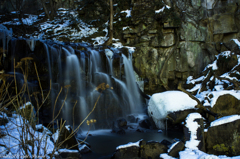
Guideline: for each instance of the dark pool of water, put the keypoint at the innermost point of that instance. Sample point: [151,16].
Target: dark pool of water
[104,143]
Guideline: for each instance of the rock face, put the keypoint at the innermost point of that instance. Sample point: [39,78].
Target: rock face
[224,139]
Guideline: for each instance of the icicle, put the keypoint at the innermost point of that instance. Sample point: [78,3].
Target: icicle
[31,43]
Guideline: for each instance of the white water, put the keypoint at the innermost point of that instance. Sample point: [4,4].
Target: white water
[132,85]
[31,43]
[69,68]
[73,78]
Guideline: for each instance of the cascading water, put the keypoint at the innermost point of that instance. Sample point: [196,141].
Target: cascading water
[109,55]
[72,77]
[132,85]
[78,73]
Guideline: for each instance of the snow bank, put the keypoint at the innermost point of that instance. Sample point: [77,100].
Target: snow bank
[161,104]
[224,120]
[18,130]
[192,127]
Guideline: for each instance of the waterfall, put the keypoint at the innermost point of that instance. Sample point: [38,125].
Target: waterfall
[83,70]
[72,77]
[132,85]
[48,59]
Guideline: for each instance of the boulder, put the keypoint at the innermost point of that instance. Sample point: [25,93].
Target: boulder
[176,148]
[119,126]
[152,149]
[144,150]
[226,104]
[161,104]
[146,123]
[224,139]
[127,153]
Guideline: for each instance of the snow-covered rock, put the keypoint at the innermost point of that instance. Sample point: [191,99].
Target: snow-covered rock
[161,104]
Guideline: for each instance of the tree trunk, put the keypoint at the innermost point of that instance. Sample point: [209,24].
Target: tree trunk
[110,31]
[45,8]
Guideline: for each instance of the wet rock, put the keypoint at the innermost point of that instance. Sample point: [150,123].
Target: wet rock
[224,139]
[122,123]
[174,152]
[70,143]
[145,124]
[132,119]
[139,130]
[119,126]
[166,142]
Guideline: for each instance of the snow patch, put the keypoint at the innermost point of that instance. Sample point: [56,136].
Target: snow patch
[224,120]
[236,41]
[130,144]
[192,127]
[165,156]
[67,150]
[128,12]
[162,9]
[216,95]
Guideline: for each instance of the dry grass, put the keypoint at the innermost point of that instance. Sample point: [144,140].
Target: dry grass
[16,99]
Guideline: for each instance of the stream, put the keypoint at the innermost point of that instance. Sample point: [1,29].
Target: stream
[103,143]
